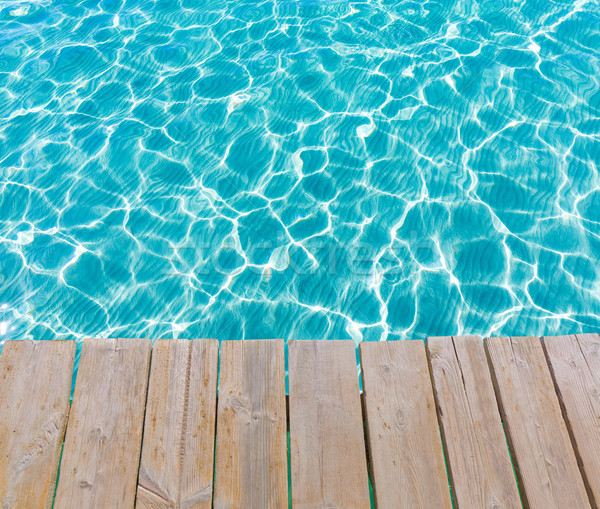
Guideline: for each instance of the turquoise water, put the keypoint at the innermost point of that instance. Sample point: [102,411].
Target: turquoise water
[299,169]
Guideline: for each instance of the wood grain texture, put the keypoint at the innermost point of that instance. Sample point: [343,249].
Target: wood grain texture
[176,469]
[542,450]
[101,453]
[251,459]
[575,366]
[405,446]
[35,386]
[328,457]
[478,457]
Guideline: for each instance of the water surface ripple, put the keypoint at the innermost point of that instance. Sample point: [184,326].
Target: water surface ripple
[299,168]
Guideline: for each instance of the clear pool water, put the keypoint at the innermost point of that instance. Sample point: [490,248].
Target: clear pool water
[299,168]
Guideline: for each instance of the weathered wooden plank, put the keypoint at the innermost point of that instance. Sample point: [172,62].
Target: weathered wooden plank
[251,459]
[544,457]
[176,469]
[35,386]
[405,446]
[575,365]
[102,446]
[328,458]
[478,457]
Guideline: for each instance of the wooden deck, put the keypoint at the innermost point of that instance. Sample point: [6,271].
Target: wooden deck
[503,422]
